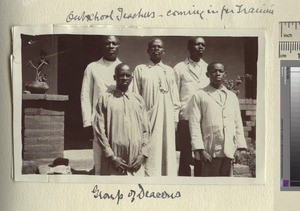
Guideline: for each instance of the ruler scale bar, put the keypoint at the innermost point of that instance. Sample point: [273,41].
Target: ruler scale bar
[289,50]
[289,30]
[295,44]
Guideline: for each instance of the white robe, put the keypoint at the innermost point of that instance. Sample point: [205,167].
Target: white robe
[156,84]
[190,76]
[97,79]
[121,127]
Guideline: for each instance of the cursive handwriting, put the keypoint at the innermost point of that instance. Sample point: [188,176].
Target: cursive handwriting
[139,193]
[89,17]
[242,9]
[121,13]
[118,14]
[189,12]
[255,10]
[103,195]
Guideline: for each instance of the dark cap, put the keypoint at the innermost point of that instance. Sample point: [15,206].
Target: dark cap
[60,161]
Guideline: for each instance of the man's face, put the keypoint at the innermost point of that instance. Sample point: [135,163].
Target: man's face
[123,77]
[197,47]
[156,50]
[110,48]
[216,74]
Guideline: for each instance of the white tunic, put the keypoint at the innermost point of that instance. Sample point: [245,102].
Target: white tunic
[97,79]
[156,84]
[121,127]
[190,76]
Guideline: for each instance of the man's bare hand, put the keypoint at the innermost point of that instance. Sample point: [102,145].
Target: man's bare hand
[203,155]
[137,162]
[119,164]
[238,155]
[206,157]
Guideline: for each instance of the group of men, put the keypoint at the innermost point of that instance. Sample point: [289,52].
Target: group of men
[134,127]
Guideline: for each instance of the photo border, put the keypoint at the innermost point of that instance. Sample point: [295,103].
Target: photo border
[16,63]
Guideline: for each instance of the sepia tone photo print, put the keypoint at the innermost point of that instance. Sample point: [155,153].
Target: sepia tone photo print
[181,106]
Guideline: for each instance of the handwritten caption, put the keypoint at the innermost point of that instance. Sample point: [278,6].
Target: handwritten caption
[133,194]
[120,13]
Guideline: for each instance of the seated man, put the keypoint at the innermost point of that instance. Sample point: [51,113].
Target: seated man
[122,128]
[216,125]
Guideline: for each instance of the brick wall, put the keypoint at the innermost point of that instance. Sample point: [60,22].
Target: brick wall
[43,126]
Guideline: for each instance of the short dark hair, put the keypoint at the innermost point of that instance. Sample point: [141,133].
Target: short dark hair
[106,36]
[212,64]
[152,40]
[119,66]
[192,40]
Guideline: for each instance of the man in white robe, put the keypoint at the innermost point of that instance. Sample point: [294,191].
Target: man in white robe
[216,125]
[97,79]
[190,76]
[155,82]
[122,128]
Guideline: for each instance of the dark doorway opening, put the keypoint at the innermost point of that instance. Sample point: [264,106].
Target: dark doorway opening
[79,51]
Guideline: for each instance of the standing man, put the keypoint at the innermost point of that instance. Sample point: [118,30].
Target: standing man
[190,76]
[97,79]
[155,82]
[216,125]
[121,127]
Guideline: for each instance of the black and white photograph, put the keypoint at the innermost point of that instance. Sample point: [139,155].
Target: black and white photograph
[165,106]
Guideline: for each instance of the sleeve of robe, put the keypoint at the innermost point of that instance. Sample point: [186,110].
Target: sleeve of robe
[240,138]
[177,73]
[145,126]
[99,127]
[194,122]
[175,97]
[136,84]
[87,97]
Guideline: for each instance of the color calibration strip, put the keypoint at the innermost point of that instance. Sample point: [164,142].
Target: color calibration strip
[290,125]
